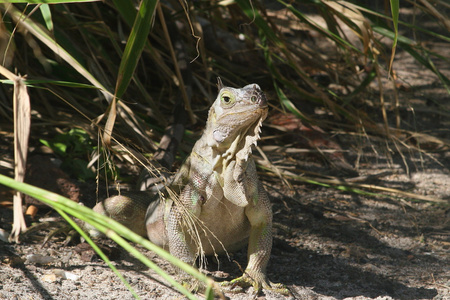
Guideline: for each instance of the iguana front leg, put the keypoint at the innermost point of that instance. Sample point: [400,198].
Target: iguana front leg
[180,226]
[259,247]
[177,238]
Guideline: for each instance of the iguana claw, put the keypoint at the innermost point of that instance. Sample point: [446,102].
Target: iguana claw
[259,282]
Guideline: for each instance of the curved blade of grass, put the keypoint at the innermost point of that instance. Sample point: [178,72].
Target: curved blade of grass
[352,17]
[408,45]
[406,24]
[110,232]
[288,104]
[43,35]
[110,228]
[131,55]
[358,188]
[47,15]
[35,83]
[320,29]
[96,249]
[109,126]
[135,45]
[369,78]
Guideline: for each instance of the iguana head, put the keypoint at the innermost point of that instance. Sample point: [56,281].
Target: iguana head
[235,120]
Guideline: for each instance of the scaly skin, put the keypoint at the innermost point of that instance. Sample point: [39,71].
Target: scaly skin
[216,202]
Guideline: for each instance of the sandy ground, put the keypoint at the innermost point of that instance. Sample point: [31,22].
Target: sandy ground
[328,245]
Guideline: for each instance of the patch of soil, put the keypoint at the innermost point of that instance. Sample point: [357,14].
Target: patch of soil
[328,244]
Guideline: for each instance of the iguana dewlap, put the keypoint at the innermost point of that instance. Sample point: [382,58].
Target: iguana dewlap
[216,202]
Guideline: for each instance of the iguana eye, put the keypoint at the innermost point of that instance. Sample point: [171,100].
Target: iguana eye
[227,98]
[253,99]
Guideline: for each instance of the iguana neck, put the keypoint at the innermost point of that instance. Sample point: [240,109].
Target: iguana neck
[239,149]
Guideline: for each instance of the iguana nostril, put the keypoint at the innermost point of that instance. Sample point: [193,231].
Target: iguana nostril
[261,99]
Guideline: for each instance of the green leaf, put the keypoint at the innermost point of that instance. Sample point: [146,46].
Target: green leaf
[44,36]
[47,15]
[369,78]
[135,45]
[288,104]
[408,45]
[324,31]
[58,148]
[36,82]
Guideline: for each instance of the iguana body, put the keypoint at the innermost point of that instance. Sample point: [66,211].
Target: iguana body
[216,202]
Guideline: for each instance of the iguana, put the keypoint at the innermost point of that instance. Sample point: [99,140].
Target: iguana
[216,202]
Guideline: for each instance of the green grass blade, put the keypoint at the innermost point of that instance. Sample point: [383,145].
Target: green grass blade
[47,15]
[110,228]
[44,36]
[96,249]
[135,45]
[288,104]
[37,82]
[373,15]
[408,45]
[360,88]
[302,17]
